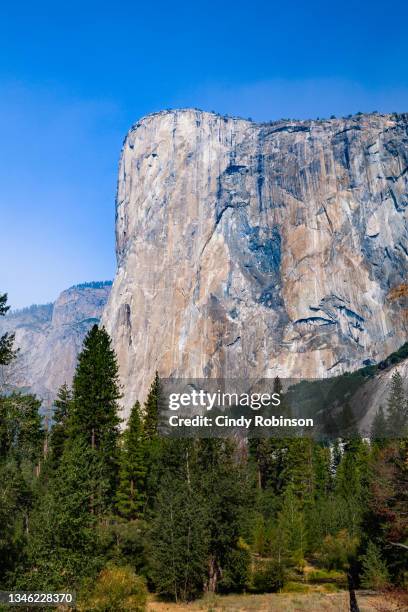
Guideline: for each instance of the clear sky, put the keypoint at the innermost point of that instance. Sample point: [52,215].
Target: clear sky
[75,75]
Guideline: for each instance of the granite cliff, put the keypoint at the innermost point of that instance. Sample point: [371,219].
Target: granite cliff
[254,250]
[49,338]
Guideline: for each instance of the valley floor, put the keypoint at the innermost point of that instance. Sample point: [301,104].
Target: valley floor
[284,602]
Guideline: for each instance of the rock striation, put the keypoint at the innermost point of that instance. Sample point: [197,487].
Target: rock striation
[255,250]
[50,337]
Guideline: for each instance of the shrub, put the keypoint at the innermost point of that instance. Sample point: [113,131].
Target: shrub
[236,573]
[374,573]
[295,587]
[270,578]
[124,543]
[117,588]
[322,575]
[338,550]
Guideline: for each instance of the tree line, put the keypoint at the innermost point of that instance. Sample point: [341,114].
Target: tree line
[111,513]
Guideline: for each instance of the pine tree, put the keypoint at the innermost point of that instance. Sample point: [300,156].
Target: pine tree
[151,410]
[397,417]
[21,433]
[299,468]
[387,519]
[291,526]
[153,444]
[94,408]
[223,486]
[179,540]
[59,431]
[374,573]
[63,543]
[131,493]
[7,353]
[351,482]
[378,432]
[16,499]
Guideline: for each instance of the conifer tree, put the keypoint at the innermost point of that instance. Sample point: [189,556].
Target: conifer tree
[7,353]
[223,488]
[397,417]
[299,468]
[374,573]
[63,542]
[351,483]
[153,445]
[291,526]
[131,493]
[387,521]
[378,432]
[21,433]
[59,433]
[179,540]
[151,410]
[93,412]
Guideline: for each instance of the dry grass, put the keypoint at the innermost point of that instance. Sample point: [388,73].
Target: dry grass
[273,602]
[392,601]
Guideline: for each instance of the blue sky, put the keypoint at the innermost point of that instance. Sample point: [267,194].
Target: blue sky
[74,77]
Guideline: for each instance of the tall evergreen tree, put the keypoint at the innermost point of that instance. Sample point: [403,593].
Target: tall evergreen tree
[21,433]
[379,428]
[179,535]
[131,493]
[374,573]
[151,409]
[387,522]
[153,444]
[292,528]
[63,543]
[351,483]
[59,431]
[223,488]
[94,409]
[397,416]
[21,438]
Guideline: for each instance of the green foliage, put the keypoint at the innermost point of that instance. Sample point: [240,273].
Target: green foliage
[21,433]
[179,541]
[292,529]
[378,432]
[374,573]
[94,407]
[151,410]
[386,515]
[269,578]
[93,285]
[123,541]
[59,431]
[397,413]
[351,482]
[180,512]
[323,575]
[236,574]
[338,551]
[16,499]
[63,544]
[116,588]
[223,486]
[7,353]
[131,492]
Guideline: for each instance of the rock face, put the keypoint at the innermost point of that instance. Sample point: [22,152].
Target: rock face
[50,337]
[254,250]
